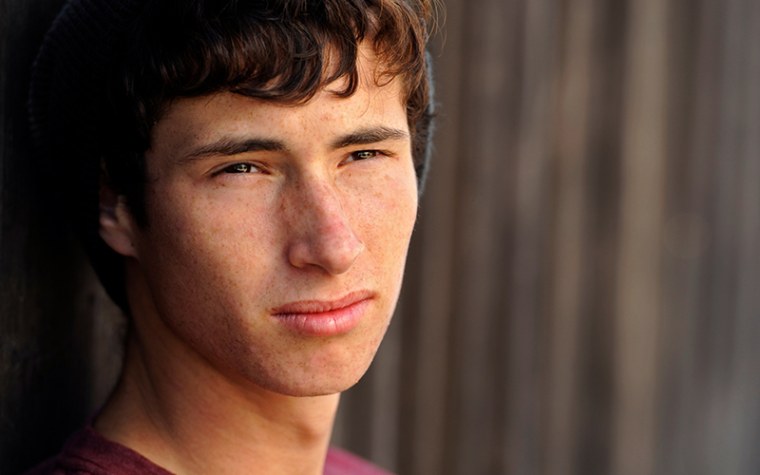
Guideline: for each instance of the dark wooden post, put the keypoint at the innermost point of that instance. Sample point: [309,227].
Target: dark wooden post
[47,294]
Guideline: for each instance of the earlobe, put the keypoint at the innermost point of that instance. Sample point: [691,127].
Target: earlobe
[116,224]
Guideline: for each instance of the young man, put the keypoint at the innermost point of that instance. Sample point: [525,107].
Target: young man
[247,175]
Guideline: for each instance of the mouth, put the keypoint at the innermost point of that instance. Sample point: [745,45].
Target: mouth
[324,317]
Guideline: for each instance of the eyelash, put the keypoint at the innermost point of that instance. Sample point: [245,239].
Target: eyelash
[240,168]
[360,155]
[245,167]
[364,154]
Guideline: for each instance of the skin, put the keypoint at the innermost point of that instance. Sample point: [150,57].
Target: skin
[253,206]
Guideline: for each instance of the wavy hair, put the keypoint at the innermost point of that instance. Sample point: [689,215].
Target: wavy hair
[284,51]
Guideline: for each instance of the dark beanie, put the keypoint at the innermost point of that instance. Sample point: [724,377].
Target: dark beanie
[70,70]
[68,93]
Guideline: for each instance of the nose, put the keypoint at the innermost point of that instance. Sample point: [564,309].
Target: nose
[321,232]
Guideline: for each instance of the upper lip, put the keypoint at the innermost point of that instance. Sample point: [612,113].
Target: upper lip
[321,306]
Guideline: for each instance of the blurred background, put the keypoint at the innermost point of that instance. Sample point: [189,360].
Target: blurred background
[583,289]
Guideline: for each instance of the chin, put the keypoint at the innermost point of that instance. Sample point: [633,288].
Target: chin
[314,388]
[320,380]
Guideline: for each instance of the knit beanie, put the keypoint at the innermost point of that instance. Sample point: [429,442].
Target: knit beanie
[67,95]
[67,91]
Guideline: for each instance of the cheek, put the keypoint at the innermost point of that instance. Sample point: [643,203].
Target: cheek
[193,237]
[217,217]
[388,212]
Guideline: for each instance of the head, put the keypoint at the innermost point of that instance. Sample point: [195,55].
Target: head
[235,168]
[108,72]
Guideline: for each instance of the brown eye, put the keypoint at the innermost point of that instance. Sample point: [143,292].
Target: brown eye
[240,168]
[364,154]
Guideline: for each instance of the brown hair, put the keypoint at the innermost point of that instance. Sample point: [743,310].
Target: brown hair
[276,51]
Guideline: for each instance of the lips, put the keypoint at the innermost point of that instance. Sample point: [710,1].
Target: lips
[324,317]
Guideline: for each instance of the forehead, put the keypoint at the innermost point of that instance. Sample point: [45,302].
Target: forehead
[191,122]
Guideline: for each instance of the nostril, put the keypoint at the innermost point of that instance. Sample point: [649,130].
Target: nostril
[322,233]
[346,253]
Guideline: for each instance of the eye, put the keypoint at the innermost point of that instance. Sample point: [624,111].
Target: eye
[363,155]
[240,168]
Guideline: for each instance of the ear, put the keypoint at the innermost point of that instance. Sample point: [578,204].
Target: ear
[117,227]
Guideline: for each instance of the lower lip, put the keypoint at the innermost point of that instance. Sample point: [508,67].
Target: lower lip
[330,323]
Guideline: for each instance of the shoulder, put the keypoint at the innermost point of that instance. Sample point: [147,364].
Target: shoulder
[88,453]
[340,462]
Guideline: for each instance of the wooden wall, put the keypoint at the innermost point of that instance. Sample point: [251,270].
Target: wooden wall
[38,324]
[582,290]
[583,295]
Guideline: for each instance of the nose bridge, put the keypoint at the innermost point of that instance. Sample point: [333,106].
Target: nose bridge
[322,234]
[322,202]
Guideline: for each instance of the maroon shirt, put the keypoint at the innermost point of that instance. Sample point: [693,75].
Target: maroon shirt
[89,453]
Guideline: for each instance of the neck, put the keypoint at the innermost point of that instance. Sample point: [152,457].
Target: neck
[190,419]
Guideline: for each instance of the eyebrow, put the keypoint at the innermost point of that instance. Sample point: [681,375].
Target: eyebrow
[370,135]
[233,146]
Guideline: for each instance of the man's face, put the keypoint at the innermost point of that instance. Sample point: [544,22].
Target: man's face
[277,235]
